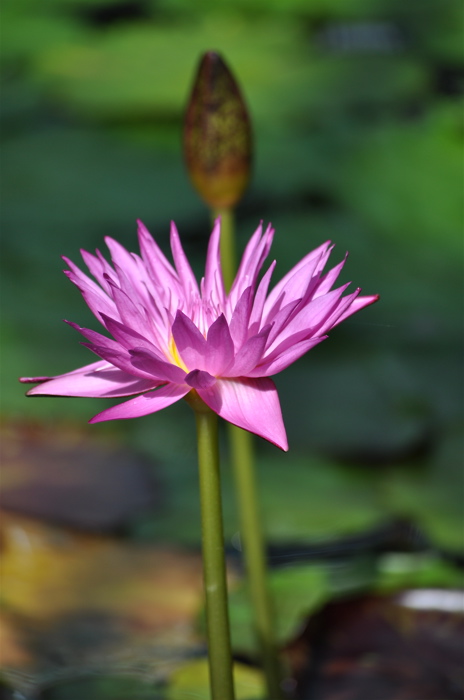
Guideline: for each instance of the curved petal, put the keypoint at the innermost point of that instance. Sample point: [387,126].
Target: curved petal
[300,284]
[184,270]
[251,404]
[240,320]
[127,337]
[118,358]
[94,365]
[101,364]
[198,379]
[248,254]
[357,305]
[144,404]
[281,287]
[326,282]
[134,284]
[311,317]
[289,351]
[260,298]
[150,364]
[130,313]
[252,260]
[156,262]
[95,297]
[250,354]
[219,347]
[98,380]
[190,343]
[99,268]
[282,318]
[127,269]
[95,337]
[213,286]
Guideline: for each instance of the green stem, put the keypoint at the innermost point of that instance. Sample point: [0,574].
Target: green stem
[228,251]
[214,567]
[254,554]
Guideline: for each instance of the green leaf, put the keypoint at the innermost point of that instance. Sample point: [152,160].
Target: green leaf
[192,680]
[295,591]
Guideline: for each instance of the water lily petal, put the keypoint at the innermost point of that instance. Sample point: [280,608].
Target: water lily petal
[190,343]
[219,347]
[240,321]
[98,380]
[284,355]
[127,269]
[99,268]
[184,270]
[199,379]
[131,314]
[118,357]
[310,318]
[357,305]
[96,338]
[252,260]
[326,282]
[149,363]
[152,255]
[96,299]
[144,404]
[213,286]
[260,298]
[250,355]
[280,289]
[251,404]
[127,337]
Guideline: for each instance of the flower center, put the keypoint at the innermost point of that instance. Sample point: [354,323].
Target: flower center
[175,355]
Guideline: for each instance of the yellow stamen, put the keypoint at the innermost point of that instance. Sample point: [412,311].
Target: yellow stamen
[175,355]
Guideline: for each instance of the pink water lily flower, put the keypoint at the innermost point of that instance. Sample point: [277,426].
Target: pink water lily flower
[171,336]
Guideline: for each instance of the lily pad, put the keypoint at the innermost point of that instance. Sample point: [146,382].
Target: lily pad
[295,591]
[193,680]
[102,688]
[434,497]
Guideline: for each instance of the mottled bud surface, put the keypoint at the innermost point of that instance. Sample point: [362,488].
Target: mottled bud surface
[217,135]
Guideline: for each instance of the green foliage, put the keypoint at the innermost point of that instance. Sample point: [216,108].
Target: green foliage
[296,592]
[361,147]
[102,688]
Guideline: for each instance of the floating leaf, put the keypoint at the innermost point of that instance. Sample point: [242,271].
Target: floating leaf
[295,591]
[192,680]
[102,688]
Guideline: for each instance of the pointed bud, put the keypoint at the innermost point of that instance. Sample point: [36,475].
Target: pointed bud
[217,135]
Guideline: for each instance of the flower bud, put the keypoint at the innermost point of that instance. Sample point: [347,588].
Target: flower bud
[217,135]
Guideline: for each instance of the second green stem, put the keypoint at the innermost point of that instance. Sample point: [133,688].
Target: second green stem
[250,524]
[255,556]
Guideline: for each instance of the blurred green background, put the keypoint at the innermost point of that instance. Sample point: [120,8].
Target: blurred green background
[357,115]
